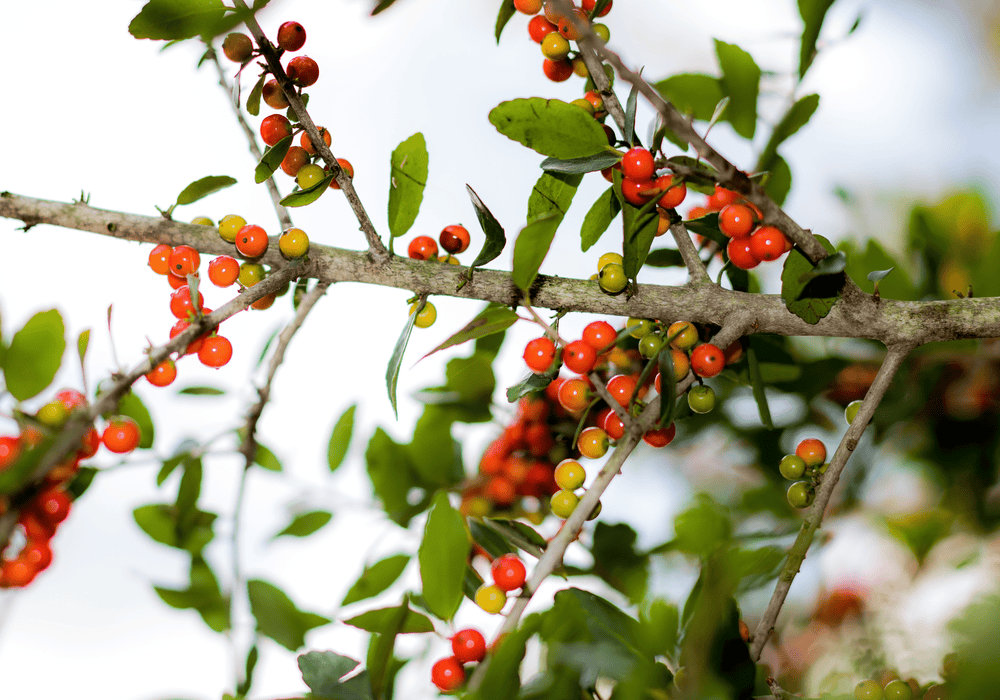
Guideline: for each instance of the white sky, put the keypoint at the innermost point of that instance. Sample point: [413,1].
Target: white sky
[907,106]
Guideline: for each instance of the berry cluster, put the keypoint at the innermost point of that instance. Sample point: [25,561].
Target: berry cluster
[554,32]
[454,239]
[301,162]
[893,690]
[41,509]
[804,469]
[749,243]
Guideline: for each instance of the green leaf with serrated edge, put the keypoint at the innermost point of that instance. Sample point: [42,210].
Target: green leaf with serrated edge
[376,578]
[552,195]
[253,99]
[81,482]
[204,187]
[639,231]
[630,105]
[779,181]
[322,671]
[264,457]
[132,406]
[812,12]
[408,177]
[305,524]
[797,266]
[757,384]
[201,391]
[378,620]
[340,438]
[665,257]
[587,164]
[304,197]
[708,226]
[271,160]
[530,249]
[797,116]
[692,94]
[82,342]
[741,83]
[668,384]
[496,239]
[396,361]
[34,355]
[507,10]
[490,540]
[443,552]
[525,531]
[598,218]
[277,617]
[176,19]
[493,319]
[550,127]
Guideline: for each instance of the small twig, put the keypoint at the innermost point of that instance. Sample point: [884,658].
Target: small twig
[696,268]
[893,361]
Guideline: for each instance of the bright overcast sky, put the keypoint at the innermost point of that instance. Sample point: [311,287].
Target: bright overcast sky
[907,109]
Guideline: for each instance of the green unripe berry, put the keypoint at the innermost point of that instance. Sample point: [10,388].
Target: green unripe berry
[852,410]
[251,274]
[639,327]
[868,690]
[801,494]
[612,278]
[701,398]
[309,176]
[53,413]
[596,511]
[792,467]
[563,503]
[608,258]
[649,346]
[897,690]
[555,46]
[602,31]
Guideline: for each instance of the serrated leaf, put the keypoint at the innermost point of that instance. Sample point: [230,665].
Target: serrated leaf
[322,671]
[408,177]
[204,187]
[340,438]
[587,164]
[443,552]
[253,99]
[757,385]
[308,196]
[277,617]
[263,457]
[598,218]
[628,135]
[796,275]
[176,19]
[305,524]
[550,127]
[378,620]
[34,355]
[812,12]
[396,361]
[376,578]
[741,82]
[507,10]
[271,160]
[692,93]
[530,249]
[879,275]
[201,391]
[493,319]
[496,239]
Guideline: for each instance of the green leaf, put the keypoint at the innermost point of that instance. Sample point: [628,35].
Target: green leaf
[82,342]
[308,196]
[665,257]
[587,164]
[660,624]
[550,127]
[201,391]
[630,105]
[132,406]
[507,10]
[703,177]
[741,82]
[379,620]
[392,370]
[493,319]
[502,680]
[489,539]
[322,671]
[617,562]
[81,482]
[340,438]
[879,275]
[757,384]
[271,160]
[496,239]
[435,455]
[812,12]
[392,477]
[253,99]
[204,187]
[796,275]
[598,218]
[692,93]
[160,522]
[552,195]
[795,118]
[408,177]
[443,553]
[639,231]
[526,532]
[176,19]
[668,385]
[382,665]
[34,355]
[530,249]
[830,265]
[376,578]
[779,181]
[702,528]
[251,664]
[533,382]
[203,595]
[382,5]
[188,493]
[277,617]
[305,524]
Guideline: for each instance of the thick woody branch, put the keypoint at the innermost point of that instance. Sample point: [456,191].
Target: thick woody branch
[887,321]
[814,518]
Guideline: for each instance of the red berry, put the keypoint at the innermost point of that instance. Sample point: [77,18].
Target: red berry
[303,71]
[455,238]
[346,166]
[223,271]
[508,572]
[163,374]
[740,254]
[182,326]
[812,451]
[273,96]
[53,505]
[672,196]
[291,36]
[294,160]
[609,421]
[121,435]
[720,198]
[736,220]
[638,164]
[35,526]
[768,243]
[307,143]
[539,28]
[447,674]
[17,573]
[638,192]
[422,248]
[274,128]
[599,334]
[469,646]
[539,354]
[37,553]
[528,7]
[567,27]
[501,490]
[621,387]
[184,261]
[707,360]
[159,259]
[180,302]
[237,47]
[574,395]
[589,5]
[579,356]
[660,437]
[215,351]
[557,71]
[251,241]
[71,398]
[89,443]
[10,450]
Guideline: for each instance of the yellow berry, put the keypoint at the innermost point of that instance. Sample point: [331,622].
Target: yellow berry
[251,274]
[491,598]
[202,221]
[230,225]
[427,316]
[563,503]
[570,474]
[293,243]
[608,258]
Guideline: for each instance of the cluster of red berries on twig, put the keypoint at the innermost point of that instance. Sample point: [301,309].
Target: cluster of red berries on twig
[454,239]
[555,33]
[749,243]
